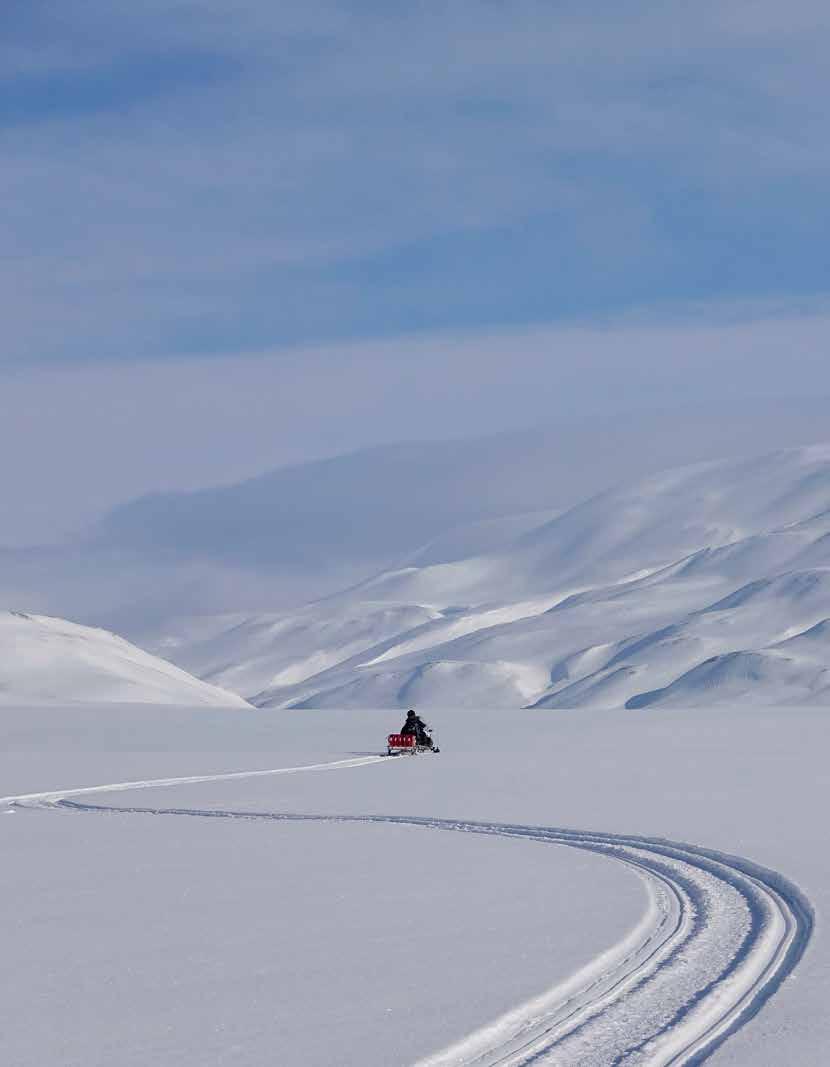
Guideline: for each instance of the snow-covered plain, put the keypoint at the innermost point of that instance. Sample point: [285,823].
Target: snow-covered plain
[701,585]
[47,660]
[195,935]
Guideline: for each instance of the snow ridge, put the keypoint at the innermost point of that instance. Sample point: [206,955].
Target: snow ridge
[701,585]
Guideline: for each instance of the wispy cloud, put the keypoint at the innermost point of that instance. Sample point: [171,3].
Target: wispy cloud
[195,176]
[79,438]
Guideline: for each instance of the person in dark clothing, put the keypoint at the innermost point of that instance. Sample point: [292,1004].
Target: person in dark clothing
[416,725]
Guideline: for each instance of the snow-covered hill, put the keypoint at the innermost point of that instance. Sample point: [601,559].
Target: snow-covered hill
[698,585]
[248,654]
[279,540]
[47,660]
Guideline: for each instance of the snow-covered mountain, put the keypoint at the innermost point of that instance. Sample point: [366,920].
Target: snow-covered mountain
[279,540]
[697,585]
[45,660]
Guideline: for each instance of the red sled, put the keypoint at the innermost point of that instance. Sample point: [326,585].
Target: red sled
[399,743]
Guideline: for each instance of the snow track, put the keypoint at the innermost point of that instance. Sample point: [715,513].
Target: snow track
[40,799]
[720,936]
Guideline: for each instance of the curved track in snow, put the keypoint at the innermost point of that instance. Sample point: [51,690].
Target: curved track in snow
[720,936]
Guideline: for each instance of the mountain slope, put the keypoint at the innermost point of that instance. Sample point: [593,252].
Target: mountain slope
[281,539]
[249,654]
[627,598]
[47,660]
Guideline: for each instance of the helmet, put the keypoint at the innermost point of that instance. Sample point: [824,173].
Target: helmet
[410,714]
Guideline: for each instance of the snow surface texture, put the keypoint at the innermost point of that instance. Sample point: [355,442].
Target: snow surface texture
[680,977]
[702,585]
[46,660]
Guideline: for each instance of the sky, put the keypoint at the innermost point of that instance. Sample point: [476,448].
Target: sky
[242,235]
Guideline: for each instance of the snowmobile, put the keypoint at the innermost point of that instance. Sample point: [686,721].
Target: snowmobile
[410,744]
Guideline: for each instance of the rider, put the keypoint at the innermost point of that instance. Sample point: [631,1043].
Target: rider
[416,725]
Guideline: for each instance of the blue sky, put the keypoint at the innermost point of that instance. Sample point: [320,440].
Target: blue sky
[197,177]
[187,182]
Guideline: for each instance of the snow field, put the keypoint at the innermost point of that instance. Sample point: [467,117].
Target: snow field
[695,775]
[137,938]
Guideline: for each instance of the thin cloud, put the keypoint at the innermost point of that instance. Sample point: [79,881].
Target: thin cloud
[79,438]
[199,176]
